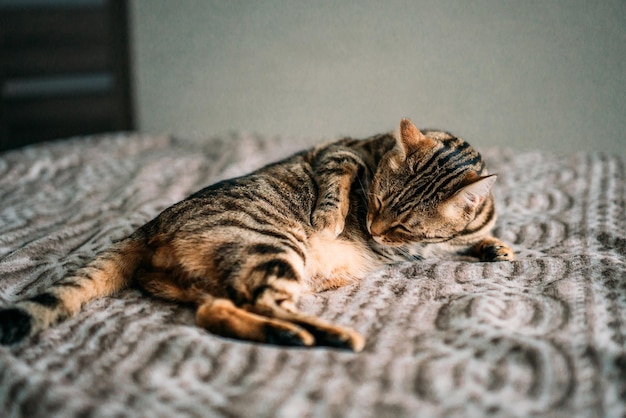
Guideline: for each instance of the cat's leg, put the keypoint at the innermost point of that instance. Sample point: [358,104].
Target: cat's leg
[222,317]
[271,289]
[274,302]
[335,171]
[492,249]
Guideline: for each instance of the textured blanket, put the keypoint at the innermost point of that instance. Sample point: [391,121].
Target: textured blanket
[543,336]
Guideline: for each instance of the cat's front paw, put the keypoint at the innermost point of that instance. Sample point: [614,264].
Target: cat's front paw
[492,249]
[328,223]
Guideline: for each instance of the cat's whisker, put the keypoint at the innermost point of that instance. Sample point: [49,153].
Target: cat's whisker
[365,193]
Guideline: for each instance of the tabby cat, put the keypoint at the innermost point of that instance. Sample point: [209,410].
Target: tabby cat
[243,250]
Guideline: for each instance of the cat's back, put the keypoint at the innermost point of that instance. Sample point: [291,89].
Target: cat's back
[279,193]
[251,220]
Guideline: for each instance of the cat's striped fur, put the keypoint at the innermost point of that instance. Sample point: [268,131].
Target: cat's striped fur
[243,250]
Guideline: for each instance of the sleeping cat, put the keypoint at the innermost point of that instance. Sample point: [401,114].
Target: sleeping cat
[243,250]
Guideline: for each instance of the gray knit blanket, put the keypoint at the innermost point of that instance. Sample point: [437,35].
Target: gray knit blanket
[543,336]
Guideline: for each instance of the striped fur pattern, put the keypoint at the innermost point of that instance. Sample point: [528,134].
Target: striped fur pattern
[243,250]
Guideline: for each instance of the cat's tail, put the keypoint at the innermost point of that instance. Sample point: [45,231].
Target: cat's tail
[109,272]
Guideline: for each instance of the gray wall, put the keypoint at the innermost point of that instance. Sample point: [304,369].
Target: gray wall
[546,74]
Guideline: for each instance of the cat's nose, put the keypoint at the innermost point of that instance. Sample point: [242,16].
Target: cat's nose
[376,228]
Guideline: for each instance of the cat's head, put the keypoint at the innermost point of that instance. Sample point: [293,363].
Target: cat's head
[427,189]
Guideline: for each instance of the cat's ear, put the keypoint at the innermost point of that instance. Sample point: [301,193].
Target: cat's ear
[410,139]
[472,195]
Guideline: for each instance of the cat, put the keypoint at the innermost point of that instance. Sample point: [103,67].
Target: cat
[243,250]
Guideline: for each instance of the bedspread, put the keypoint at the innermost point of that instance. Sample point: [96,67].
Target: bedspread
[542,336]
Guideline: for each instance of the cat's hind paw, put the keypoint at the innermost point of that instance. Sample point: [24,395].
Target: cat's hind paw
[346,339]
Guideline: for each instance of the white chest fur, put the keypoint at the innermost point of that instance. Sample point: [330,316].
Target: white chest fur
[333,262]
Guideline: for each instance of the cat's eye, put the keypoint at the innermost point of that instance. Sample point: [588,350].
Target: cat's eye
[401,228]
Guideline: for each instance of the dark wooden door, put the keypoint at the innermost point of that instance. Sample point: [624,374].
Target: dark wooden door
[64,70]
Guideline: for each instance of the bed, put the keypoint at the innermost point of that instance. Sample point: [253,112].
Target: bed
[542,336]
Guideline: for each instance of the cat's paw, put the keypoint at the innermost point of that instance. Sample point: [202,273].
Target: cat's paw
[492,249]
[279,333]
[328,223]
[498,253]
[343,338]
